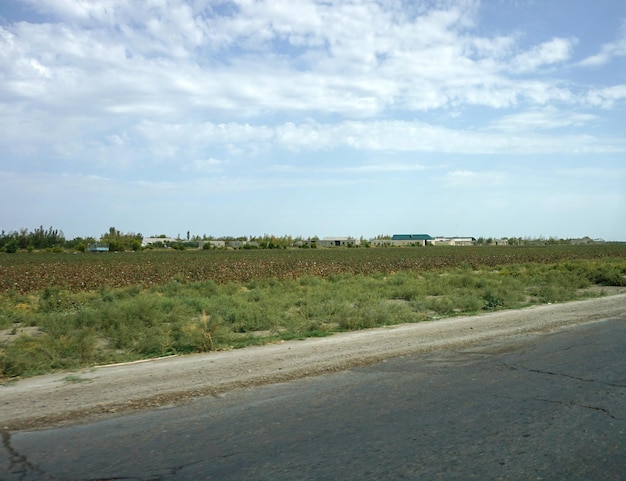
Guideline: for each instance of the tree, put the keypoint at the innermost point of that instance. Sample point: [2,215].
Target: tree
[118,241]
[42,239]
[12,246]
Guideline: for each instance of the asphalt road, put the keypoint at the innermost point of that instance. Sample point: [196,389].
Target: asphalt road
[550,406]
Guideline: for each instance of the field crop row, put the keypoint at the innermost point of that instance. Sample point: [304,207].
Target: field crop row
[24,272]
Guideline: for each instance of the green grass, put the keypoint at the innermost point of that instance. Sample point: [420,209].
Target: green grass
[83,328]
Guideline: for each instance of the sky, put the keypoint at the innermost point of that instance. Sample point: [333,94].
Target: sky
[492,118]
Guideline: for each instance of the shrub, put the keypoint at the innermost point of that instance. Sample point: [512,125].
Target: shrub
[12,246]
[29,356]
[609,275]
[492,301]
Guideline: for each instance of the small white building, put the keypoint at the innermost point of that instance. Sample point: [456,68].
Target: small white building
[155,240]
[454,241]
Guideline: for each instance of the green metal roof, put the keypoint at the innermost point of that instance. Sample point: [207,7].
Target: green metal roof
[411,237]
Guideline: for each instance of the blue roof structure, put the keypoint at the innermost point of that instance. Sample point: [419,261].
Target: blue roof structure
[411,237]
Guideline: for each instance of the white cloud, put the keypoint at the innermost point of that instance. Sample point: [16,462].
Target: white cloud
[376,136]
[607,53]
[166,59]
[606,97]
[554,51]
[541,119]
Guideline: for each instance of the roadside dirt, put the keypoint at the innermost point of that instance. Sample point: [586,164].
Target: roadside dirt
[105,391]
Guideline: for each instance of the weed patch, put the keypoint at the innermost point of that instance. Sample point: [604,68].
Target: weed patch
[75,329]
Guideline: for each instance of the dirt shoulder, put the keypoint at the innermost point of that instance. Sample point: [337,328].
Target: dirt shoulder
[99,392]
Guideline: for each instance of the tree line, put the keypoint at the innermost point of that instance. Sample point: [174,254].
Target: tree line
[38,238]
[52,239]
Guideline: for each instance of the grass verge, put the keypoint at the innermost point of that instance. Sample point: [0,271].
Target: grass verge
[56,329]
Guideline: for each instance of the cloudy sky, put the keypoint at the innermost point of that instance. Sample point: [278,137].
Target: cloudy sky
[314,117]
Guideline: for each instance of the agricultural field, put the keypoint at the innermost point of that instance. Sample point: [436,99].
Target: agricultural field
[63,311]
[32,272]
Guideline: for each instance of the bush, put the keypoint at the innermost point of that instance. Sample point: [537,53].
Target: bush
[29,356]
[609,275]
[12,247]
[492,301]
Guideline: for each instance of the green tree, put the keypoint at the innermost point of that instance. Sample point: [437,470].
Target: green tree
[43,239]
[12,246]
[118,241]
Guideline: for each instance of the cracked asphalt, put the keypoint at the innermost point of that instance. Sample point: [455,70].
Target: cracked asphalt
[546,406]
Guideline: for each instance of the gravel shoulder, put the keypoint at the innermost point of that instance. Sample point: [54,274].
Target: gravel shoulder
[104,391]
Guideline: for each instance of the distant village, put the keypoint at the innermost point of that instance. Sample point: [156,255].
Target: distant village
[396,240]
[117,241]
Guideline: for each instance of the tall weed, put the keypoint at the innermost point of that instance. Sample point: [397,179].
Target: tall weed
[84,328]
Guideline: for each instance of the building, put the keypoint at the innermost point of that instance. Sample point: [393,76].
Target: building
[411,239]
[338,242]
[98,247]
[215,244]
[306,243]
[454,241]
[165,241]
